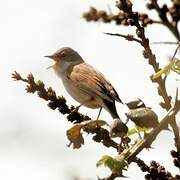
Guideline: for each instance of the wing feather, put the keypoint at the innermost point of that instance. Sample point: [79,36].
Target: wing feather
[93,82]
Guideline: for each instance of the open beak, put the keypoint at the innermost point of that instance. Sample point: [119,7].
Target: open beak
[51,57]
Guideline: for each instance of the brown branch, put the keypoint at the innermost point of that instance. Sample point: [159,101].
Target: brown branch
[130,155]
[100,134]
[157,22]
[123,5]
[120,19]
[176,50]
[147,141]
[162,12]
[165,42]
[133,20]
[128,37]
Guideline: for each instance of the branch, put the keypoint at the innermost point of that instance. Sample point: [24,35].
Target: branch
[126,7]
[165,42]
[147,141]
[127,37]
[100,134]
[120,19]
[130,154]
[176,50]
[162,12]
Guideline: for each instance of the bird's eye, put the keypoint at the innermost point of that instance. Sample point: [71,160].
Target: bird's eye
[63,54]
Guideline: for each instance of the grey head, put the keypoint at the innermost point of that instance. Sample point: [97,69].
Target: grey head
[135,103]
[66,54]
[65,59]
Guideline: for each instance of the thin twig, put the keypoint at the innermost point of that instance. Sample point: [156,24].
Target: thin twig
[127,37]
[175,52]
[165,42]
[165,20]
[157,22]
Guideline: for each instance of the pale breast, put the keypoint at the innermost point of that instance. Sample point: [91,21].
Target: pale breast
[81,96]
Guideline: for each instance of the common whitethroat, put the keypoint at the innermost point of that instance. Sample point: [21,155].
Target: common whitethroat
[86,84]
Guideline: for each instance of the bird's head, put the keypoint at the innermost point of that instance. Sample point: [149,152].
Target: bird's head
[135,103]
[65,58]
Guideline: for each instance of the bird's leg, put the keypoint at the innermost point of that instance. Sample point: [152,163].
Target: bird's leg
[127,120]
[138,132]
[99,113]
[119,148]
[77,108]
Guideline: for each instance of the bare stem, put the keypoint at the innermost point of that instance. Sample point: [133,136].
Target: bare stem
[127,37]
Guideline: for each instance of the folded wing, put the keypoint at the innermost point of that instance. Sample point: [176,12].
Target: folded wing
[92,81]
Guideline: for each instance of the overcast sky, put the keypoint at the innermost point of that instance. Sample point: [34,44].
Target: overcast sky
[32,136]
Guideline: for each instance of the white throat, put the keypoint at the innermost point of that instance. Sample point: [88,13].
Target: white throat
[62,68]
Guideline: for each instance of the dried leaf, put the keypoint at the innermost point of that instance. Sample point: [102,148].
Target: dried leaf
[88,127]
[75,136]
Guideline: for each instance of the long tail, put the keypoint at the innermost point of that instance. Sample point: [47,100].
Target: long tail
[111,108]
[117,127]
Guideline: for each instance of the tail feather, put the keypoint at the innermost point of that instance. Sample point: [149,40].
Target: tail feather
[111,108]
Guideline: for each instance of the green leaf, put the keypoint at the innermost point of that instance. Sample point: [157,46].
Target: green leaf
[142,129]
[176,66]
[166,70]
[105,161]
[132,131]
[137,129]
[116,166]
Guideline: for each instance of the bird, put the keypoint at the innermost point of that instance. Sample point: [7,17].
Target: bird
[141,115]
[135,103]
[116,129]
[86,84]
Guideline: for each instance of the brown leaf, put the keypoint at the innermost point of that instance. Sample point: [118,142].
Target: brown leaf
[75,136]
[92,125]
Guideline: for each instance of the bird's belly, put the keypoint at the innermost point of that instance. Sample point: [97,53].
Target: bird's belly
[84,98]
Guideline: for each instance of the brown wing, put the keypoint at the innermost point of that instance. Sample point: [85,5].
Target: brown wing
[93,82]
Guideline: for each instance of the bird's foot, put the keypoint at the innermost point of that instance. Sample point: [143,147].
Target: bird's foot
[76,109]
[99,113]
[148,146]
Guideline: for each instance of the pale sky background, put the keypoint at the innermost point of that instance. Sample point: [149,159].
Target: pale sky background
[32,136]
